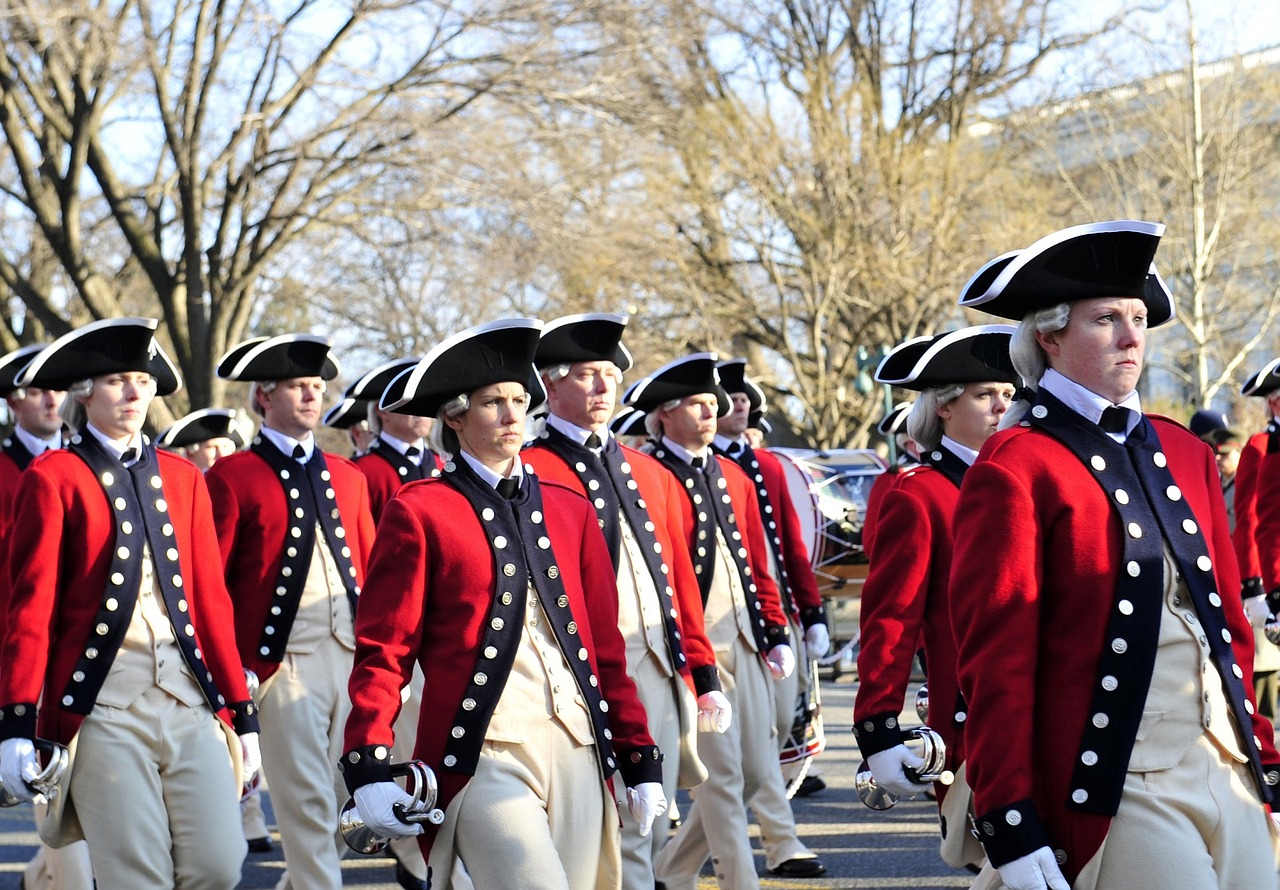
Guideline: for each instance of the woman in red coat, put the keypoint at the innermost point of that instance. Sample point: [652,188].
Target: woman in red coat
[502,589]
[1104,652]
[966,382]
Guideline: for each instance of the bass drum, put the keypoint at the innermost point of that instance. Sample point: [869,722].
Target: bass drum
[828,523]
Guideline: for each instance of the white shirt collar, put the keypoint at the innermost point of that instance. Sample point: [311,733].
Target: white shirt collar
[287,443]
[115,447]
[34,444]
[575,432]
[964,452]
[489,476]
[724,443]
[1089,404]
[402,446]
[684,453]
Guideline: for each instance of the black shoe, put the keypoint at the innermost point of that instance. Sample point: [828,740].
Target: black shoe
[799,868]
[810,785]
[260,845]
[406,879]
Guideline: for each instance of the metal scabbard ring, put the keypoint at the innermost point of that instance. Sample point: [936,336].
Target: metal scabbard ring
[934,753]
[46,783]
[420,783]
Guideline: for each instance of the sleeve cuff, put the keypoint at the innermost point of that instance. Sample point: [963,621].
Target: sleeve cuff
[776,635]
[877,733]
[811,615]
[641,765]
[1011,832]
[1271,781]
[706,679]
[18,721]
[244,716]
[365,765]
[1251,587]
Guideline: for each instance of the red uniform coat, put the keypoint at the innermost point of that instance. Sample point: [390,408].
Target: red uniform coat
[383,479]
[875,496]
[905,598]
[1247,480]
[427,599]
[807,602]
[252,518]
[10,476]
[660,492]
[1038,547]
[58,565]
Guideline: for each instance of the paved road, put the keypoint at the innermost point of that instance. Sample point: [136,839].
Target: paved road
[862,849]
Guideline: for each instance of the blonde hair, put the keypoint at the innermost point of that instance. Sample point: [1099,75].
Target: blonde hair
[72,410]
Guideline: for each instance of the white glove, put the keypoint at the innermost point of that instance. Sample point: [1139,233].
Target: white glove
[646,803]
[374,801]
[1035,871]
[781,661]
[251,756]
[887,768]
[817,640]
[1255,607]
[18,765]
[714,712]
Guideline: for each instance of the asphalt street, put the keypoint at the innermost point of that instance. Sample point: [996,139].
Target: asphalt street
[892,850]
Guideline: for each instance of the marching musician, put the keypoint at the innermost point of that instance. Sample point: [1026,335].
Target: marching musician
[746,625]
[204,436]
[119,641]
[791,569]
[638,504]
[295,530]
[37,428]
[1264,384]
[398,453]
[966,382]
[499,586]
[1104,652]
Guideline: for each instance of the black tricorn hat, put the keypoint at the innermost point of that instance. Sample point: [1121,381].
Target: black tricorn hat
[495,352]
[894,419]
[589,337]
[628,422]
[109,346]
[201,426]
[968,355]
[279,358]
[689,375]
[1106,259]
[1264,382]
[373,384]
[346,414]
[14,364]
[733,377]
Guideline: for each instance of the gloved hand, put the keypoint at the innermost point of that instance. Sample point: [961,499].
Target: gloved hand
[251,756]
[646,803]
[714,712]
[374,801]
[1257,610]
[817,640]
[781,661]
[18,765]
[1035,871]
[887,768]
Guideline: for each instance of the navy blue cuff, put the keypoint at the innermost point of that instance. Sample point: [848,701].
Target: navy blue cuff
[811,615]
[18,721]
[244,716]
[706,679]
[776,635]
[1011,832]
[877,733]
[365,765]
[641,765]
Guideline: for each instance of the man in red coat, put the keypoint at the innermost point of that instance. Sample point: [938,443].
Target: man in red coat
[966,382]
[499,586]
[398,453]
[118,642]
[790,567]
[205,436]
[744,620]
[1104,652]
[637,503]
[295,530]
